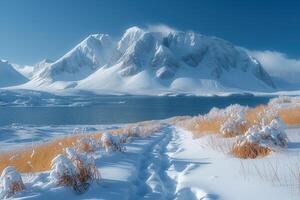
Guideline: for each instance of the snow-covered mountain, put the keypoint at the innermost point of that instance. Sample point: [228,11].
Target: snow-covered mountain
[81,61]
[180,61]
[9,76]
[30,71]
[143,61]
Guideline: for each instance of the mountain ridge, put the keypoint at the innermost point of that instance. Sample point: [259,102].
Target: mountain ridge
[9,76]
[147,60]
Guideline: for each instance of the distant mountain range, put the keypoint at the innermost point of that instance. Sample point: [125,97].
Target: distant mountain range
[145,62]
[9,75]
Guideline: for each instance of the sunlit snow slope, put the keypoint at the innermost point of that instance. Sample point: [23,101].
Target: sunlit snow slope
[143,61]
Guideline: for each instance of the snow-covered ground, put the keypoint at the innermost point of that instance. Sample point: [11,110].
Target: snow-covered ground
[16,135]
[171,164]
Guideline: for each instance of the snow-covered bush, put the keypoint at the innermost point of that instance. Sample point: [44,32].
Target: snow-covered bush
[87,144]
[75,170]
[284,102]
[217,120]
[139,131]
[149,128]
[260,140]
[234,125]
[248,149]
[228,111]
[270,135]
[10,182]
[134,131]
[275,134]
[112,142]
[143,129]
[63,171]
[266,116]
[124,137]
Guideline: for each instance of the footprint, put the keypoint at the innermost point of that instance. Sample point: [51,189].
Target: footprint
[202,195]
[179,150]
[189,167]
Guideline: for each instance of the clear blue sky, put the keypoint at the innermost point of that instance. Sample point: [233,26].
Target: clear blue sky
[31,30]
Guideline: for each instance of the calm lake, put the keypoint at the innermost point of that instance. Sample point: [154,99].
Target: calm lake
[115,109]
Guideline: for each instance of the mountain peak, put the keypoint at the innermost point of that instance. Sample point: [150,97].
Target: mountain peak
[130,36]
[177,60]
[9,76]
[99,36]
[133,30]
[3,61]
[93,52]
[94,40]
[46,60]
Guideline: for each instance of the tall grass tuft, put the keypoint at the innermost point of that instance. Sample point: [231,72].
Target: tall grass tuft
[75,170]
[249,150]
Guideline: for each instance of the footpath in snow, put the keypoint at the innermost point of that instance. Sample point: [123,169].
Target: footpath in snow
[169,164]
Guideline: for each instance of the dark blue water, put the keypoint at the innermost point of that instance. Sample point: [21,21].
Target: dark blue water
[119,109]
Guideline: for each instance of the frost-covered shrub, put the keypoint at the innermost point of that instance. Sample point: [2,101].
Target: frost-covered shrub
[147,129]
[75,170]
[112,142]
[10,182]
[249,150]
[266,116]
[284,102]
[228,111]
[217,120]
[133,131]
[63,171]
[275,134]
[124,137]
[87,144]
[234,125]
[259,141]
[143,129]
[270,135]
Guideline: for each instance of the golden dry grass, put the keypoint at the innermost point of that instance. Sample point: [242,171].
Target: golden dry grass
[242,128]
[200,126]
[39,157]
[210,125]
[249,150]
[207,125]
[290,116]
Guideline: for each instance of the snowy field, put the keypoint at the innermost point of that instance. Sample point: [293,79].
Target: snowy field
[170,164]
[152,112]
[166,161]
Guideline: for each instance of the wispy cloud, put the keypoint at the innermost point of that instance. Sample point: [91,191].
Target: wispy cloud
[160,28]
[278,64]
